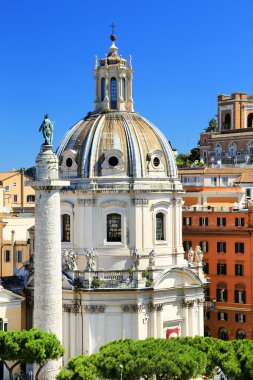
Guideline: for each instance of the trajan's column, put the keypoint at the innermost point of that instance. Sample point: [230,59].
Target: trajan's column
[47,259]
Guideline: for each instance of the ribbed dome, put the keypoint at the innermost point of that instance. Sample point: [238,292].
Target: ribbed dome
[121,144]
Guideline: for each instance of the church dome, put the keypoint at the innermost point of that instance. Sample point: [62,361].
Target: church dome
[116,144]
[114,140]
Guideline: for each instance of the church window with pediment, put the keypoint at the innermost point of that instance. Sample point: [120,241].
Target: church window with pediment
[160,226]
[113,93]
[114,227]
[65,227]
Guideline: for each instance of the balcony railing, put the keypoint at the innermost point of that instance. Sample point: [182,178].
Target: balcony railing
[121,279]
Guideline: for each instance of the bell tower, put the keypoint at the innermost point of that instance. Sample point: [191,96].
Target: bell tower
[113,81]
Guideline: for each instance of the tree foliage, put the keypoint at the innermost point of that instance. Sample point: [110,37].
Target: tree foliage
[212,126]
[172,359]
[33,346]
[30,172]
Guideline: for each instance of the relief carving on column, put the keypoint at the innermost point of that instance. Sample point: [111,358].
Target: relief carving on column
[87,202]
[139,202]
[71,308]
[94,309]
[187,303]
[131,308]
[155,306]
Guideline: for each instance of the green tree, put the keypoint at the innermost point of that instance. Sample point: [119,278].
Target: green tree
[182,160]
[194,155]
[33,346]
[80,368]
[30,172]
[212,126]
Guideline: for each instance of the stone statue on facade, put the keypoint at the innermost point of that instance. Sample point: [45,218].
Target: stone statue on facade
[190,255]
[152,256]
[136,258]
[199,254]
[47,129]
[91,263]
[69,260]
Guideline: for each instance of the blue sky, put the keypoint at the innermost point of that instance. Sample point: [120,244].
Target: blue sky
[184,54]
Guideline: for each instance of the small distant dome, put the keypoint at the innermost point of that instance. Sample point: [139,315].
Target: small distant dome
[113,37]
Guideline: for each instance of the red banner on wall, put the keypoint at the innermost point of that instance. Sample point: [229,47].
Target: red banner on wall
[172,331]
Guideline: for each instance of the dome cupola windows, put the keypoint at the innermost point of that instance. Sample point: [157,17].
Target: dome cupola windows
[113,82]
[113,94]
[102,89]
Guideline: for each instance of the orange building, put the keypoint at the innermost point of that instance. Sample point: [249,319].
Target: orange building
[218,217]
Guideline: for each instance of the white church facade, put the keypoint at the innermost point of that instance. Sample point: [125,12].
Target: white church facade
[124,273]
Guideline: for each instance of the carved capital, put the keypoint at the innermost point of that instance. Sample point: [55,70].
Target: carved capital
[130,308]
[71,308]
[187,303]
[140,202]
[94,309]
[155,307]
[176,201]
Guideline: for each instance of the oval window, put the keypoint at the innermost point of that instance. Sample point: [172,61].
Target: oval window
[156,162]
[113,161]
[69,162]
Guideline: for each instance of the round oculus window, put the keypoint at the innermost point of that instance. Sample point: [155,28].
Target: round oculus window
[156,161]
[113,161]
[69,162]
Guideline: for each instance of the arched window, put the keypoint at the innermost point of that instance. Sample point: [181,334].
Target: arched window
[232,149]
[123,88]
[65,224]
[250,120]
[102,89]
[113,94]
[207,331]
[227,121]
[159,226]
[218,150]
[240,334]
[223,334]
[114,227]
[240,294]
[221,292]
